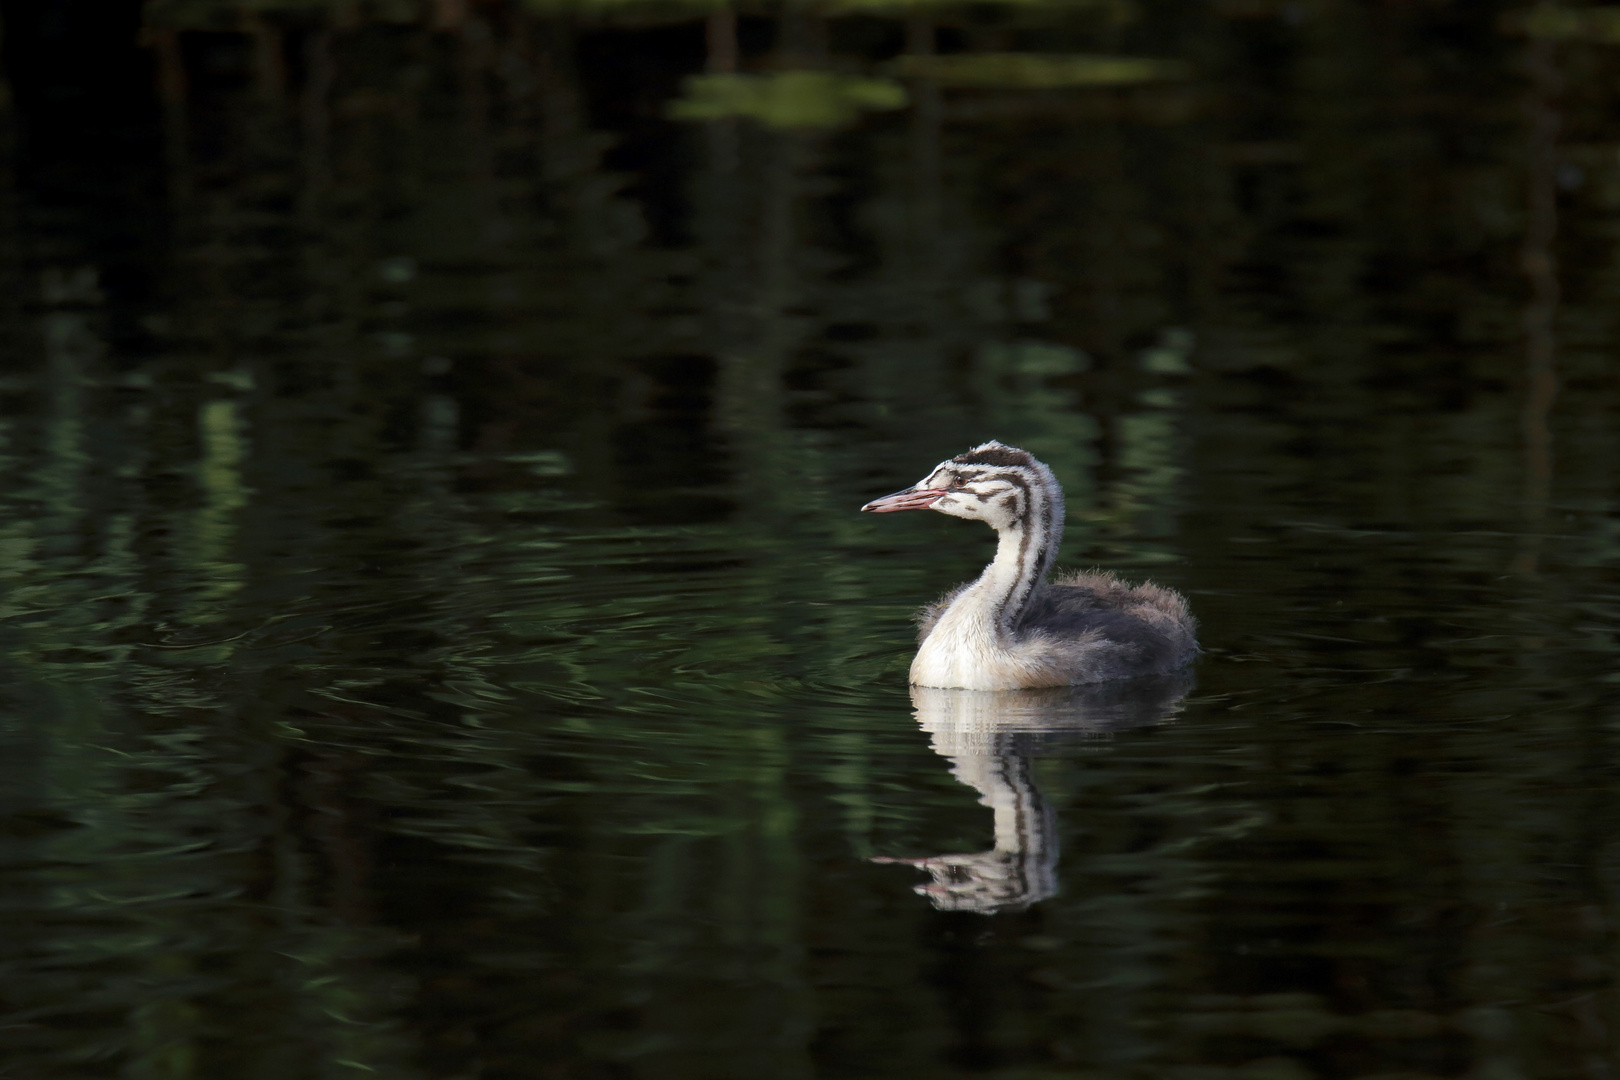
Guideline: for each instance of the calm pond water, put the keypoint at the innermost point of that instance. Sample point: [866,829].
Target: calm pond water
[439,640]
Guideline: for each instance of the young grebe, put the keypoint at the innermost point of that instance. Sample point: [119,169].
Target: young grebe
[1011,629]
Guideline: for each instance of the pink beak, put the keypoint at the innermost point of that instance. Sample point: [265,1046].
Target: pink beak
[913,498]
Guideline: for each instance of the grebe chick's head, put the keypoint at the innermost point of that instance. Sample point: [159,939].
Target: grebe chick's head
[1000,485]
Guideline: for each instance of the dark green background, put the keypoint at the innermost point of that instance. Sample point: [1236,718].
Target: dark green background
[438,639]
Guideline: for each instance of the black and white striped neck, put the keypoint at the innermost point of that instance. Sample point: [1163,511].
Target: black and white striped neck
[1026,550]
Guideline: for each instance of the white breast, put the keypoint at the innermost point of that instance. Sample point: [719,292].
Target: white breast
[963,652]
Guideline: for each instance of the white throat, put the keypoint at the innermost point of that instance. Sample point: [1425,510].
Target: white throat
[974,643]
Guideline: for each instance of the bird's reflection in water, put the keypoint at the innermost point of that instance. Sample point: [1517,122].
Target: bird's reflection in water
[991,739]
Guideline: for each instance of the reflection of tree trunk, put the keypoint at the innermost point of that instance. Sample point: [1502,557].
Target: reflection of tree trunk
[72,349]
[748,399]
[171,80]
[719,203]
[342,833]
[723,57]
[269,60]
[561,120]
[719,200]
[722,42]
[927,122]
[449,14]
[265,134]
[1109,217]
[776,232]
[802,37]
[474,56]
[213,528]
[1541,268]
[725,147]
[518,66]
[320,73]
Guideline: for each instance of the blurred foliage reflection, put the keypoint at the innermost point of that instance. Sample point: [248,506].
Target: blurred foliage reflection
[438,637]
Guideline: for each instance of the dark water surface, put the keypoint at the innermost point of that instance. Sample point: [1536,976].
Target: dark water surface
[439,640]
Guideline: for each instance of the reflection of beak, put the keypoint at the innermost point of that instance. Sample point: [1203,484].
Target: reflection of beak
[913,498]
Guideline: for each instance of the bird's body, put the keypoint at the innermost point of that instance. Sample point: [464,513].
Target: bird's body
[1013,629]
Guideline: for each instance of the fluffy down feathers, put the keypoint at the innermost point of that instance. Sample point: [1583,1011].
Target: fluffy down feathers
[1090,627]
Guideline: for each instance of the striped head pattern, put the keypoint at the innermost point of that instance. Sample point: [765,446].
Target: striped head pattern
[1000,485]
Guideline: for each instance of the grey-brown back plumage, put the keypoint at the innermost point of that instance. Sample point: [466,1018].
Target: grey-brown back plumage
[1098,627]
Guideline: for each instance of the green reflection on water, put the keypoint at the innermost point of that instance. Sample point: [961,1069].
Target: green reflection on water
[1035,71]
[788,99]
[440,640]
